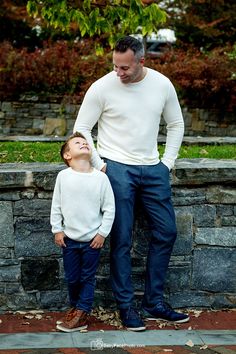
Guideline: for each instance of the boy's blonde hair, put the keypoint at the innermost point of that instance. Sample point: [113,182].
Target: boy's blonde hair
[65,146]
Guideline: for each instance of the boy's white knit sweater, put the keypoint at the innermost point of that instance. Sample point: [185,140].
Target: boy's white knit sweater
[82,204]
[128,118]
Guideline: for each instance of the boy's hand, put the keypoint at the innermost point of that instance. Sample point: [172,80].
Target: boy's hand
[98,241]
[59,239]
[104,168]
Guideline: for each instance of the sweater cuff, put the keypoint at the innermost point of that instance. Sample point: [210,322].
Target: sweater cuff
[102,233]
[168,163]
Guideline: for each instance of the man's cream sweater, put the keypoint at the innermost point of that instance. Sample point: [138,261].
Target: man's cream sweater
[128,117]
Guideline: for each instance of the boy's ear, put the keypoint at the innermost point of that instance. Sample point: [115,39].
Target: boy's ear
[67,155]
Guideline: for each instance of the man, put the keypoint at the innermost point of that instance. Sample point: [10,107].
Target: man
[128,104]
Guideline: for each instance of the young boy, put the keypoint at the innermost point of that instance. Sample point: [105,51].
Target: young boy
[82,214]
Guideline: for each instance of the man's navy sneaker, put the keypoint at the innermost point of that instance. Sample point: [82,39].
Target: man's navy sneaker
[131,320]
[164,312]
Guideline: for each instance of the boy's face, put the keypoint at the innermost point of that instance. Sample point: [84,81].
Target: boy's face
[78,147]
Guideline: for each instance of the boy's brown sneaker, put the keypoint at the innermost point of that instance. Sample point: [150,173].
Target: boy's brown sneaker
[67,316]
[76,322]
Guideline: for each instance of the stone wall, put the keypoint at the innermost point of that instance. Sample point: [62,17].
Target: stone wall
[202,271]
[32,117]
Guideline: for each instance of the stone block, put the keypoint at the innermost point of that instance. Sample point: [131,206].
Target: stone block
[13,288]
[221,195]
[54,126]
[178,278]
[41,175]
[9,195]
[190,299]
[10,178]
[2,289]
[56,107]
[46,180]
[103,268]
[54,300]
[183,243]
[104,299]
[6,225]
[32,207]
[214,269]
[103,283]
[188,196]
[47,271]
[225,210]
[204,215]
[195,299]
[18,301]
[5,253]
[10,273]
[38,124]
[222,301]
[72,108]
[203,171]
[219,236]
[6,106]
[42,106]
[34,238]
[228,221]
[138,281]
[198,126]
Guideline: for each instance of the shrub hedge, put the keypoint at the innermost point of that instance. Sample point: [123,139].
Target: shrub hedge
[202,80]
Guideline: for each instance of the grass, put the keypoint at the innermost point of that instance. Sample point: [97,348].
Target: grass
[50,152]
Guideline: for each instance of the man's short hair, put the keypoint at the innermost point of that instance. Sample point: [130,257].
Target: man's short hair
[65,146]
[129,42]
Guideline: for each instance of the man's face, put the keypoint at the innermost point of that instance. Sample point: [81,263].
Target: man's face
[127,67]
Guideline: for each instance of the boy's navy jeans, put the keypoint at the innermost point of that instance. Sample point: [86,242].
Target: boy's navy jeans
[151,184]
[80,265]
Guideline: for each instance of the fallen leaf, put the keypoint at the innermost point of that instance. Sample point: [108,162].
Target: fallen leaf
[204,152]
[204,347]
[38,317]
[108,317]
[29,317]
[196,313]
[35,312]
[189,343]
[176,326]
[162,325]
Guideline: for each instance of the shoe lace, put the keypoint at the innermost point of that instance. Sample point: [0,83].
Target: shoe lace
[165,306]
[70,314]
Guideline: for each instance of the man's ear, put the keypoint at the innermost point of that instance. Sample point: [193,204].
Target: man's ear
[142,60]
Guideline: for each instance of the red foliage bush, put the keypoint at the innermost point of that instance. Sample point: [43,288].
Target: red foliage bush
[203,81]
[56,68]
